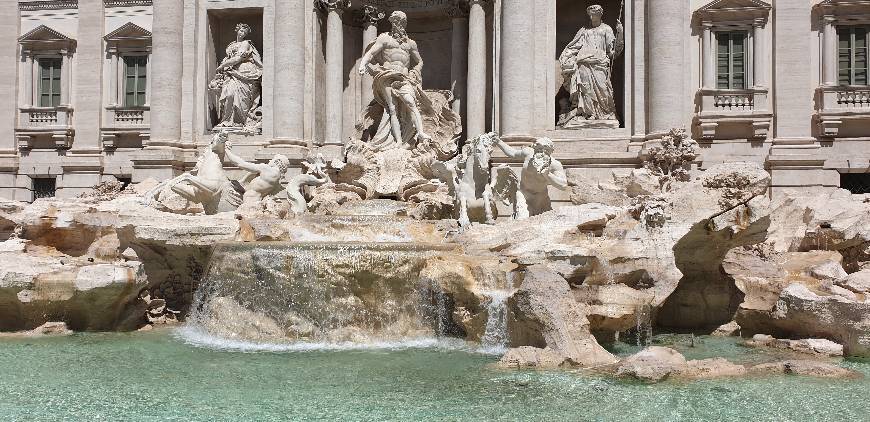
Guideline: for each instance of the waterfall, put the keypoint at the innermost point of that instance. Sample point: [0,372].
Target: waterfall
[316,293]
[643,325]
[495,337]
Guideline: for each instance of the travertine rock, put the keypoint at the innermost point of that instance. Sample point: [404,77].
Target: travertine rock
[655,363]
[858,282]
[544,304]
[802,312]
[727,330]
[819,347]
[531,357]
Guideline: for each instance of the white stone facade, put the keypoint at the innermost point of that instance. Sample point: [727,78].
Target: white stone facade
[786,105]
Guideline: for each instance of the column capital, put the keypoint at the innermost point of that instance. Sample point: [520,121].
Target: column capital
[829,19]
[332,5]
[370,15]
[759,22]
[458,9]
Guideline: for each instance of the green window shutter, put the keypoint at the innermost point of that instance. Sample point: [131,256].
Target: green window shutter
[135,80]
[861,52]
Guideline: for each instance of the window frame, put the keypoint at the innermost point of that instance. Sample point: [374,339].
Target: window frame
[852,49]
[40,79]
[138,78]
[730,32]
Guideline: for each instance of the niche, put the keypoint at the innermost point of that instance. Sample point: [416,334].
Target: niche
[570,17]
[222,31]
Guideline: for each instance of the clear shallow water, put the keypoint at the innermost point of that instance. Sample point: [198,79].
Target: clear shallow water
[157,376]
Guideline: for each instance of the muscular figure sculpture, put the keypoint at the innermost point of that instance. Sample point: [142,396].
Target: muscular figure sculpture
[540,170]
[395,64]
[207,183]
[266,177]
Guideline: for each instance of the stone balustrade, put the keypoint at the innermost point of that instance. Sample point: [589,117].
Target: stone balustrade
[137,116]
[838,105]
[45,117]
[745,109]
[55,123]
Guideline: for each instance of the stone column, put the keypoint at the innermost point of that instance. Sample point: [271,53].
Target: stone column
[760,59]
[82,165]
[167,43]
[114,83]
[88,77]
[28,77]
[475,103]
[9,106]
[669,98]
[66,78]
[288,105]
[709,50]
[516,69]
[334,69]
[458,13]
[829,55]
[369,16]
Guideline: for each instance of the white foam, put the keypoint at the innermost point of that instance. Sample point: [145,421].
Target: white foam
[199,337]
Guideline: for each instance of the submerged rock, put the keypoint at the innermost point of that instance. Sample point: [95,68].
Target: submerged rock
[818,347]
[809,368]
[655,363]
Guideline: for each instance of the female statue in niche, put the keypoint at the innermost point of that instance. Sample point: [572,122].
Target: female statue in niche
[237,85]
[587,66]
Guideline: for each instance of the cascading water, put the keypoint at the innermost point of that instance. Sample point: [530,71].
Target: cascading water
[315,294]
[495,336]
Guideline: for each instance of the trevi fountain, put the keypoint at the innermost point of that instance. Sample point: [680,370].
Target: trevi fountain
[416,272]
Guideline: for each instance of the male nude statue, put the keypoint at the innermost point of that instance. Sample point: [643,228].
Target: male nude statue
[540,170]
[267,177]
[394,62]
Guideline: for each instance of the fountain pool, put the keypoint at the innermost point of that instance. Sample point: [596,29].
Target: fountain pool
[159,376]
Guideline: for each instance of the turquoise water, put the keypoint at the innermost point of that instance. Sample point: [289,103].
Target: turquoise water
[157,376]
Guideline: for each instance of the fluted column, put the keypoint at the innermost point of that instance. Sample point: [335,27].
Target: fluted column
[516,68]
[167,43]
[458,13]
[334,68]
[288,105]
[369,16]
[830,51]
[8,86]
[709,51]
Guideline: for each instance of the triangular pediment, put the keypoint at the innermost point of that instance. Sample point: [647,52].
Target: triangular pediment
[129,31]
[44,34]
[734,5]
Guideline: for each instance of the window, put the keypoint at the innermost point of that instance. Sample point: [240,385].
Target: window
[731,60]
[44,187]
[853,54]
[135,80]
[49,81]
[857,183]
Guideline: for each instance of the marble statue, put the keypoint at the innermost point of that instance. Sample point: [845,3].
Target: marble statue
[314,176]
[263,180]
[587,68]
[395,65]
[540,170]
[472,179]
[237,85]
[206,184]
